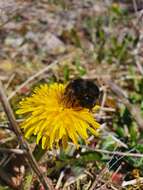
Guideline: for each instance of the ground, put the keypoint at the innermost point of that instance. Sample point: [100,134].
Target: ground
[59,40]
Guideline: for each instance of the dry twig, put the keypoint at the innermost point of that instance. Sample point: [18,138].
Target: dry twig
[12,150]
[132,182]
[61,60]
[28,155]
[32,78]
[135,111]
[136,155]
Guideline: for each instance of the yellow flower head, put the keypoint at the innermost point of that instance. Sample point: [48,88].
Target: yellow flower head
[52,120]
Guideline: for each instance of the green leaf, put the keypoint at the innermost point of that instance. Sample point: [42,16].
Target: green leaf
[66,73]
[79,68]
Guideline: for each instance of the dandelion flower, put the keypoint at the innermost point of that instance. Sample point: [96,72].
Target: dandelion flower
[54,120]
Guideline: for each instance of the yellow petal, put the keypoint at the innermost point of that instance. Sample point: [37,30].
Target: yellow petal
[52,121]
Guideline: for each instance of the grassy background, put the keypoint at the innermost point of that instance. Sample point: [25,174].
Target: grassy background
[98,40]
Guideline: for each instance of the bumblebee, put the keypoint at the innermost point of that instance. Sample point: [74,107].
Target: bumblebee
[81,93]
